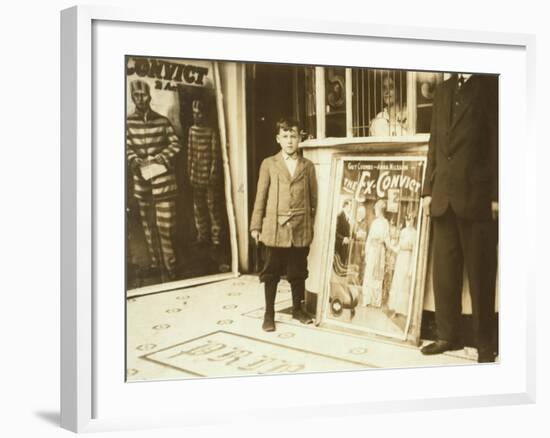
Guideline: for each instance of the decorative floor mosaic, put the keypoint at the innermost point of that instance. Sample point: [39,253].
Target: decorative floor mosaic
[221,353]
[215,330]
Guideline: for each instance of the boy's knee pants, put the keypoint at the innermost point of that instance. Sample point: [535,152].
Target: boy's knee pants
[291,262]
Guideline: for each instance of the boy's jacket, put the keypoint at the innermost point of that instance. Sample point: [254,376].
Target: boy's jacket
[284,210]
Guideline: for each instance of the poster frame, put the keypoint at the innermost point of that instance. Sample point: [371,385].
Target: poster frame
[411,334]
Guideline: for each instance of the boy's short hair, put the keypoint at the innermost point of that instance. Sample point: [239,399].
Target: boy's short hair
[286,124]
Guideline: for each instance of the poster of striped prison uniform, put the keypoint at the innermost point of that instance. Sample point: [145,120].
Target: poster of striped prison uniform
[147,138]
[204,170]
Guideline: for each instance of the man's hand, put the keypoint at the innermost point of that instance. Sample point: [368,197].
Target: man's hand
[255,235]
[426,201]
[345,240]
[137,163]
[494,210]
[159,159]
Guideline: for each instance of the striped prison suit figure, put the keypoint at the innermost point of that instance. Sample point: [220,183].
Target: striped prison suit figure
[151,139]
[204,171]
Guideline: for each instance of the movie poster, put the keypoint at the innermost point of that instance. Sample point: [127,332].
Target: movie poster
[177,221]
[372,265]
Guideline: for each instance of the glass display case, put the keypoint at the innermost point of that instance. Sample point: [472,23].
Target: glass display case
[367,103]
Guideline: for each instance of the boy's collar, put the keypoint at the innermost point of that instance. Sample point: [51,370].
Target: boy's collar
[286,156]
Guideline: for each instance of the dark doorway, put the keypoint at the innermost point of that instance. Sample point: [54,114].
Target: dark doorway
[270,95]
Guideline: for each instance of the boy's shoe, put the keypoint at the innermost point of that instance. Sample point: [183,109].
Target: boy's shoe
[269,324]
[302,316]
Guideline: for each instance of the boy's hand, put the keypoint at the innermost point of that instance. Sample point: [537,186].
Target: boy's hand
[255,235]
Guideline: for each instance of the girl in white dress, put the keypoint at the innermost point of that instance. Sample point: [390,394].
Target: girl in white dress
[402,276]
[375,257]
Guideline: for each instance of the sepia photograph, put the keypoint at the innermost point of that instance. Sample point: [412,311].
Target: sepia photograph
[290,218]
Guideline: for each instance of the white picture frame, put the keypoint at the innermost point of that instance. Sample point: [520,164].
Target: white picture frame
[91,385]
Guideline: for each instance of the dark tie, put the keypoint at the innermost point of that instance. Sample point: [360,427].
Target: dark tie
[456,95]
[460,81]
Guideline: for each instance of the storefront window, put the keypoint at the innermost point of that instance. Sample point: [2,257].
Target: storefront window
[335,101]
[311,115]
[379,102]
[304,101]
[426,83]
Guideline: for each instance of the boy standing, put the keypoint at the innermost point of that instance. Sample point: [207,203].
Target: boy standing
[282,219]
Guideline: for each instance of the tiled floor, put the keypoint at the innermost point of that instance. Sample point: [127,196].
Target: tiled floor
[215,330]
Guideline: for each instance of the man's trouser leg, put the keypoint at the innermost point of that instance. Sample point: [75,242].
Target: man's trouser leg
[448,269]
[479,240]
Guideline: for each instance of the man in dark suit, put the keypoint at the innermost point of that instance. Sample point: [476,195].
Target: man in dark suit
[343,231]
[461,194]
